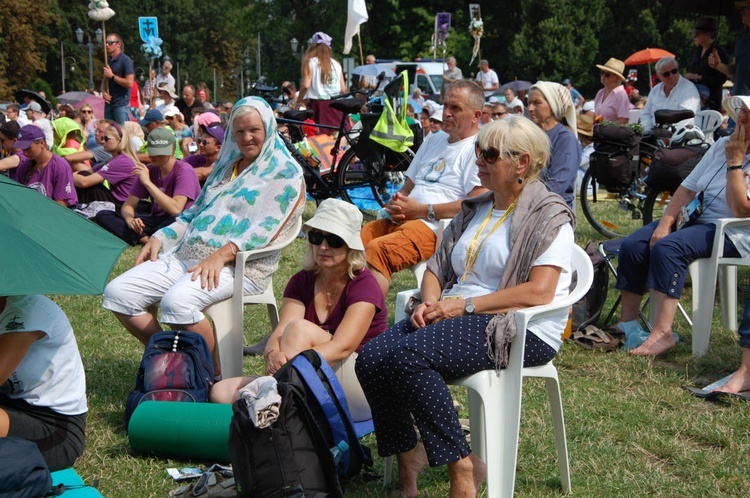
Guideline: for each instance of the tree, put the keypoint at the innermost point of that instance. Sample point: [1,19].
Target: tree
[22,44]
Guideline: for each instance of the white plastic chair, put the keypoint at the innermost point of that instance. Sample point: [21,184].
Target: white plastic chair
[708,121]
[228,315]
[494,429]
[703,274]
[421,267]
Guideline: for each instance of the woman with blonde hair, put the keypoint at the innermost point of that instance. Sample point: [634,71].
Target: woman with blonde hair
[334,305]
[507,249]
[112,180]
[322,78]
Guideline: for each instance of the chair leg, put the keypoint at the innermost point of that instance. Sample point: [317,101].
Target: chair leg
[728,286]
[558,422]
[228,338]
[703,276]
[387,470]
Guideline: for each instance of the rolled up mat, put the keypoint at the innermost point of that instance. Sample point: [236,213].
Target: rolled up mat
[197,431]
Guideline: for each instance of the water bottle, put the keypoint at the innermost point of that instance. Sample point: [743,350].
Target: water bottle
[339,450]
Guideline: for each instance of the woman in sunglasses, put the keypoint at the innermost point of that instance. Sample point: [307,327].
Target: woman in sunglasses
[611,102]
[507,249]
[334,305]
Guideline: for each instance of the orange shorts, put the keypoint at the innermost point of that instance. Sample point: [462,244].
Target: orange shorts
[391,248]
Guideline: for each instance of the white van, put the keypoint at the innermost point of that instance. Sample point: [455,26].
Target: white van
[427,76]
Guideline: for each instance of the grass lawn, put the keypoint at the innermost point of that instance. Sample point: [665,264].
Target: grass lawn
[632,429]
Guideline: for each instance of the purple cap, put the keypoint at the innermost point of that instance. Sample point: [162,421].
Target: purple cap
[321,37]
[216,131]
[28,135]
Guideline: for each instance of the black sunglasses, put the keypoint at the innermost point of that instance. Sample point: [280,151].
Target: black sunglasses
[605,74]
[111,42]
[490,156]
[499,114]
[204,142]
[666,74]
[317,238]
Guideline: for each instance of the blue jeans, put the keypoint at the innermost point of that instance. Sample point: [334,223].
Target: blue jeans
[119,114]
[663,267]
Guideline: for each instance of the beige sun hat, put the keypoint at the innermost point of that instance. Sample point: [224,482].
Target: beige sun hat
[585,125]
[733,103]
[339,218]
[614,66]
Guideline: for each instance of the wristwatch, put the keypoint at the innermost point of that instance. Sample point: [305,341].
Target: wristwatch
[732,168]
[430,212]
[469,307]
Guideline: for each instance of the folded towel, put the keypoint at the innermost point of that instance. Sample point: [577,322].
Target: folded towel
[263,401]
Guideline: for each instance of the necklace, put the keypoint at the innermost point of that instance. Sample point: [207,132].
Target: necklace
[332,292]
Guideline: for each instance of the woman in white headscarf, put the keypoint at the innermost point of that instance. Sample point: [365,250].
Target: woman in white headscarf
[551,108]
[254,195]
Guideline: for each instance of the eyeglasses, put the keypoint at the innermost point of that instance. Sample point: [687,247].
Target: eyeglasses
[86,111]
[490,156]
[316,238]
[666,74]
[203,142]
[605,74]
[499,114]
[111,42]
[107,139]
[435,121]
[739,110]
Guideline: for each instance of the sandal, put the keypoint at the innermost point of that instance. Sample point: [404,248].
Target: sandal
[592,337]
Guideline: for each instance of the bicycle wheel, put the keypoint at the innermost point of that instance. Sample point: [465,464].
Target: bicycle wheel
[654,205]
[612,214]
[369,184]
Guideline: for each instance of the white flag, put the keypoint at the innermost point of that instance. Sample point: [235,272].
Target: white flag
[357,14]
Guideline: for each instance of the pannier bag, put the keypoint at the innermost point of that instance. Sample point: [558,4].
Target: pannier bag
[614,162]
[672,165]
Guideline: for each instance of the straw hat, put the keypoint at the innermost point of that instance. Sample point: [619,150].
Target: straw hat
[339,218]
[614,66]
[585,125]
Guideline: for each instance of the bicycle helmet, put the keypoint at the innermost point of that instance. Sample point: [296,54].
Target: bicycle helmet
[688,135]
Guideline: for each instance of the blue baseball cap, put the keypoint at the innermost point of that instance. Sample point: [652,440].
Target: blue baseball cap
[27,136]
[152,116]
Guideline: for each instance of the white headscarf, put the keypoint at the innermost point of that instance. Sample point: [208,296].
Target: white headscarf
[560,102]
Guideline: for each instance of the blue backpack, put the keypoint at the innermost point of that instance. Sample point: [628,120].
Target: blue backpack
[325,397]
[176,366]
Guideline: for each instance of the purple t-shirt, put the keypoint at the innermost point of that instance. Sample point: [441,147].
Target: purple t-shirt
[12,172]
[196,160]
[182,180]
[364,288]
[54,181]
[119,172]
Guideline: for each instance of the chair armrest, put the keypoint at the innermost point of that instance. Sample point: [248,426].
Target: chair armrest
[401,299]
[721,225]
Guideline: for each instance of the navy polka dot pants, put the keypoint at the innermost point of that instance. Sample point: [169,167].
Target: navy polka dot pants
[403,373]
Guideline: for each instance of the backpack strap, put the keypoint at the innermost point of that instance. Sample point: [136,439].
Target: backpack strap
[329,406]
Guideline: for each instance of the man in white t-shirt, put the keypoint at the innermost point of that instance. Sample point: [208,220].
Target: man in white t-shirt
[487,78]
[442,174]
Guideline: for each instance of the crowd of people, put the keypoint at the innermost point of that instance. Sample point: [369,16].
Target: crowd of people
[188,183]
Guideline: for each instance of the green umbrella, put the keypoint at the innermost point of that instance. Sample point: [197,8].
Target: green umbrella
[48,249]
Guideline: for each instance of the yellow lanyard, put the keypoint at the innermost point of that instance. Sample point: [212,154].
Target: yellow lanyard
[472,253]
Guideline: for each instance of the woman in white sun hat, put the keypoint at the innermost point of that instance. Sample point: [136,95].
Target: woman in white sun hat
[334,305]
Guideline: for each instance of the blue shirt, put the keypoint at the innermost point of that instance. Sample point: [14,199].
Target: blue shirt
[562,168]
[121,66]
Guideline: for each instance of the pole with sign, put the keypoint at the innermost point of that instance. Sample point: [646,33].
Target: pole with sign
[148,28]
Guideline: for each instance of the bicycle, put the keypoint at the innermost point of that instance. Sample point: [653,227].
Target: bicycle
[620,210]
[367,175]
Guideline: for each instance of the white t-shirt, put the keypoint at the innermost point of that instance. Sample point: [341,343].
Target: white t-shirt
[487,272]
[161,80]
[710,175]
[51,374]
[320,90]
[442,171]
[683,96]
[487,80]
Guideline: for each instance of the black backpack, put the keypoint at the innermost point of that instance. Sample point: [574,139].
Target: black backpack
[289,458]
[176,366]
[588,310]
[23,471]
[327,401]
[614,161]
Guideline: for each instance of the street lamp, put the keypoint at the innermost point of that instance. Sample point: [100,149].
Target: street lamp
[90,46]
[294,44]
[63,59]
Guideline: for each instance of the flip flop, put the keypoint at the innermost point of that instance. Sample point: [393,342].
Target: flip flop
[592,337]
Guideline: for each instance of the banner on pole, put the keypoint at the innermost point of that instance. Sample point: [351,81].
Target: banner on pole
[148,27]
[442,25]
[356,15]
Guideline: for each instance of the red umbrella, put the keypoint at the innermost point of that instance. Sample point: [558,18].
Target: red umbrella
[647,56]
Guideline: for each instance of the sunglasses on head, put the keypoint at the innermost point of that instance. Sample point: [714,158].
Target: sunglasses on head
[666,74]
[316,238]
[490,155]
